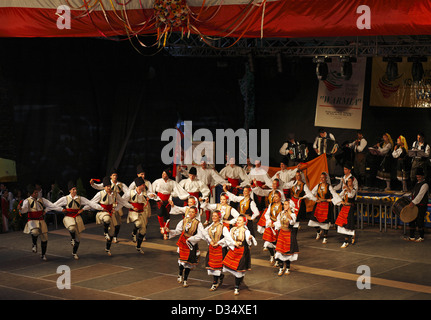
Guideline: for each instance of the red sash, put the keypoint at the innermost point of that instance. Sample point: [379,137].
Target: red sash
[215,261]
[163,197]
[321,211]
[233,182]
[107,208]
[72,212]
[35,215]
[139,206]
[260,183]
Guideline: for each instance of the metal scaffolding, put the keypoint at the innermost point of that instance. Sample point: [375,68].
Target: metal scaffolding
[401,46]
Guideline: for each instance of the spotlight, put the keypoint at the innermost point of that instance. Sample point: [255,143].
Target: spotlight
[417,68]
[392,68]
[346,67]
[322,69]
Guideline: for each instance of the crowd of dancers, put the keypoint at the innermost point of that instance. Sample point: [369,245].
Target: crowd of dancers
[251,203]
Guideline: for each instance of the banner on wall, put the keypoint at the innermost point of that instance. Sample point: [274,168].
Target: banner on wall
[400,91]
[339,101]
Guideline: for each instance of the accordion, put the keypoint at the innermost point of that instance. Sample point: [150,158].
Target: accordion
[299,152]
[325,145]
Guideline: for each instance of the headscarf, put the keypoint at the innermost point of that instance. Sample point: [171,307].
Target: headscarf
[389,139]
[404,142]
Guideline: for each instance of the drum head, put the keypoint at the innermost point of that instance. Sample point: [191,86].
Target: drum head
[408,214]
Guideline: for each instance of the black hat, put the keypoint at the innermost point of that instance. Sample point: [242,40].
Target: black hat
[106,181]
[420,171]
[71,185]
[348,165]
[168,171]
[31,188]
[139,169]
[113,171]
[139,181]
[193,171]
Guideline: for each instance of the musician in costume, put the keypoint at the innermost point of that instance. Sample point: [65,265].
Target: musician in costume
[164,189]
[119,188]
[270,234]
[235,175]
[246,207]
[269,199]
[238,259]
[110,202]
[140,213]
[73,205]
[385,150]
[359,148]
[286,249]
[325,143]
[400,153]
[293,152]
[420,161]
[420,195]
[191,231]
[346,220]
[228,213]
[36,207]
[322,216]
[216,235]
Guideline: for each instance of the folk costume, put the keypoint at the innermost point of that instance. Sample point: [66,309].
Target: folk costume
[191,231]
[385,150]
[72,206]
[216,236]
[322,215]
[420,195]
[163,191]
[238,259]
[270,234]
[119,189]
[140,213]
[36,207]
[110,202]
[400,153]
[286,249]
[229,214]
[346,218]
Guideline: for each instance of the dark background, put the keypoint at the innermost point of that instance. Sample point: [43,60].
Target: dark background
[67,106]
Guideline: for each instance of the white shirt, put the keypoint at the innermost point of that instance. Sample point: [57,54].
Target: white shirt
[114,186]
[209,176]
[85,203]
[49,206]
[335,197]
[343,182]
[234,172]
[422,191]
[223,241]
[193,239]
[260,175]
[285,175]
[170,187]
[113,199]
[238,199]
[360,147]
[421,146]
[195,185]
[148,185]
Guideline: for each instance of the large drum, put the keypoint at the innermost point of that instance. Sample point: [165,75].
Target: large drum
[401,208]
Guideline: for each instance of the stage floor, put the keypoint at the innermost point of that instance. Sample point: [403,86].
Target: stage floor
[399,270]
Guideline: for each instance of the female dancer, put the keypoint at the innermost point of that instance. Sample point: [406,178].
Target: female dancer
[216,235]
[345,221]
[325,197]
[287,246]
[238,260]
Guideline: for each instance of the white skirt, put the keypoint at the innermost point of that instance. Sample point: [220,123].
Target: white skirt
[324,226]
[345,231]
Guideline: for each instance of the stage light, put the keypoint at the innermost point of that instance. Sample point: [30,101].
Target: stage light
[392,67]
[322,69]
[417,68]
[346,67]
